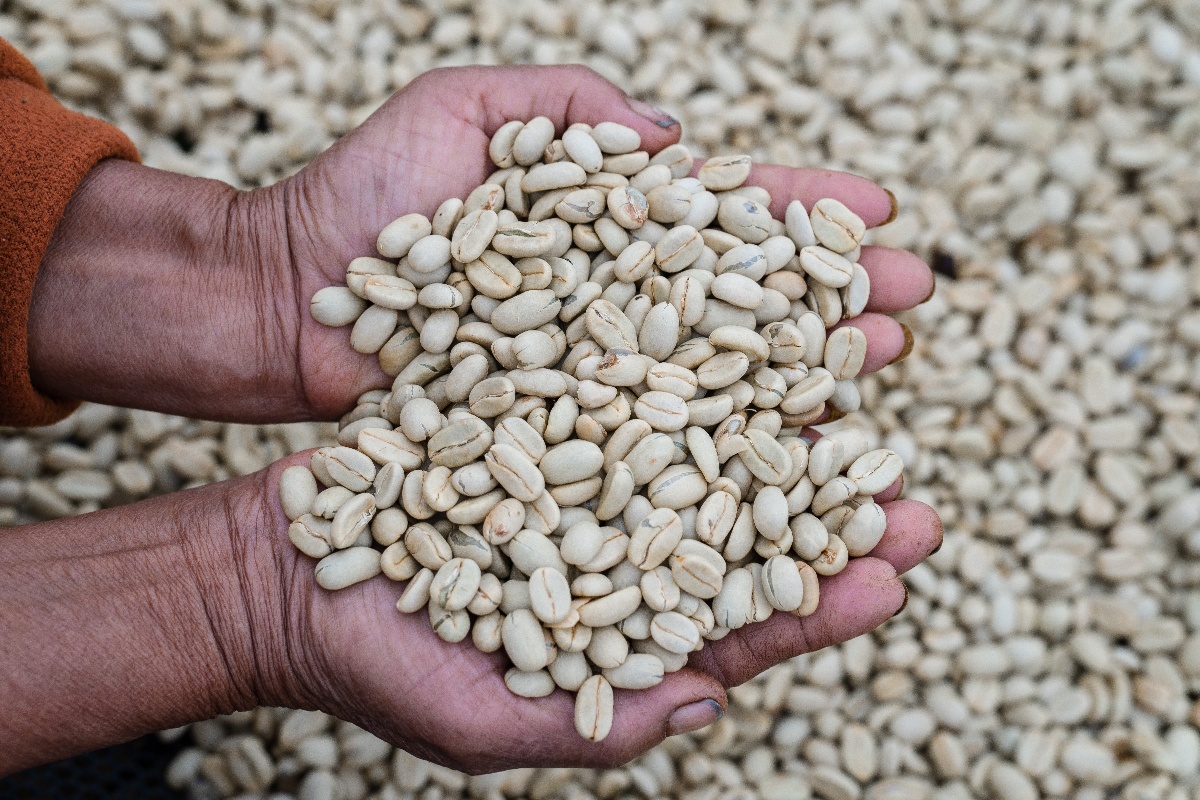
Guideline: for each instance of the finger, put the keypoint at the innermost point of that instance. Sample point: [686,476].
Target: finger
[914,531]
[899,279]
[868,200]
[890,493]
[541,731]
[887,340]
[490,96]
[858,599]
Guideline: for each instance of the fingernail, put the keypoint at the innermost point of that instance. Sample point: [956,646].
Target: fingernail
[895,208]
[908,345]
[656,115]
[694,716]
[905,603]
[932,289]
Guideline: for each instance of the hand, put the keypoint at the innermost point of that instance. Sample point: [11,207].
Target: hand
[185,296]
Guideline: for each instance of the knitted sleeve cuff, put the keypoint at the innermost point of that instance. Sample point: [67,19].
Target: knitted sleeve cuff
[45,152]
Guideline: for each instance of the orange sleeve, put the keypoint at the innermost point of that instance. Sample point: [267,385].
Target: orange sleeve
[45,151]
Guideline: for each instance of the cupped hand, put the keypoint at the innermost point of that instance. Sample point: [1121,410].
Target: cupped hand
[352,654]
[429,143]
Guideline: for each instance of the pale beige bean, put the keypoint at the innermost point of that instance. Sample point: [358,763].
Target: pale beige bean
[655,538]
[347,567]
[688,297]
[581,542]
[455,584]
[514,471]
[863,530]
[569,670]
[723,173]
[427,546]
[766,458]
[372,329]
[571,461]
[798,225]
[545,177]
[503,521]
[526,311]
[874,471]
[722,369]
[610,609]
[594,709]
[530,550]
[608,325]
[297,491]
[715,519]
[662,410]
[809,393]
[782,584]
[770,512]
[529,684]
[697,568]
[833,494]
[608,648]
[473,234]
[500,147]
[493,275]
[744,218]
[391,447]
[336,306]
[416,595]
[397,563]
[638,671]
[390,291]
[833,559]
[672,378]
[583,150]
[675,632]
[825,460]
[616,139]
[460,443]
[517,433]
[845,351]
[737,289]
[311,536]
[549,595]
[856,293]
[678,249]
[349,468]
[835,226]
[615,492]
[659,590]
[741,339]
[677,486]
[733,606]
[826,267]
[525,239]
[351,519]
[659,332]
[521,634]
[401,234]
[447,216]
[486,632]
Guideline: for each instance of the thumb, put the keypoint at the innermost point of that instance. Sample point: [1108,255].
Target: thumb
[487,97]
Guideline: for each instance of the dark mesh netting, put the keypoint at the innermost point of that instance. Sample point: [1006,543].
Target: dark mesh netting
[132,771]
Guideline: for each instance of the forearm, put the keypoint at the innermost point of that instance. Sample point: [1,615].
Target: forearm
[131,620]
[153,294]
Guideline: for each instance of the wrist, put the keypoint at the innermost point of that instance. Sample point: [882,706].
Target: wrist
[145,617]
[162,291]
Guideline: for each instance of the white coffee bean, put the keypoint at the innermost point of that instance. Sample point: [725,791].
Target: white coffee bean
[347,567]
[594,709]
[875,471]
